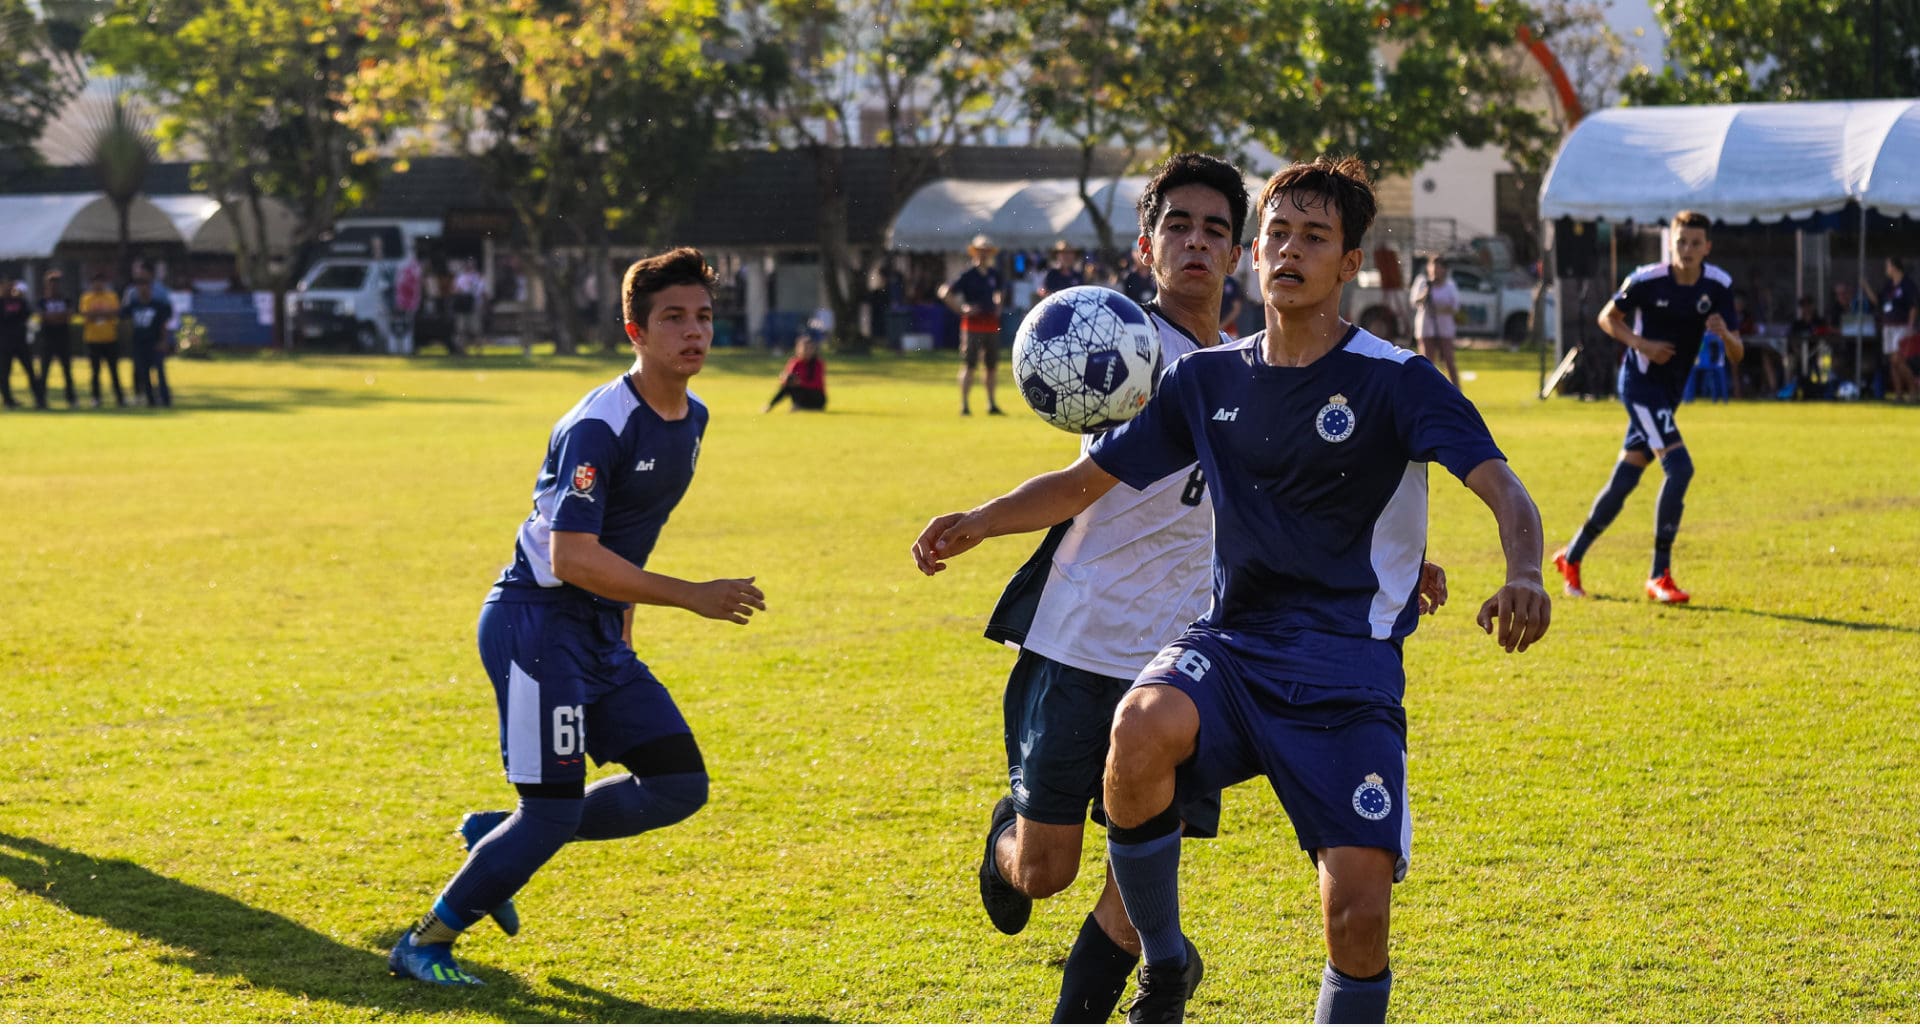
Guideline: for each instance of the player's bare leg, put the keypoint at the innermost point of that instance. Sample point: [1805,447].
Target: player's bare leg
[1154,731]
[1356,898]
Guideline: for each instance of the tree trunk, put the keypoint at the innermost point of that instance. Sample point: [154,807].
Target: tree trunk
[836,265]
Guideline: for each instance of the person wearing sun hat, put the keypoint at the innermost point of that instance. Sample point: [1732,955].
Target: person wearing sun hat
[978,296]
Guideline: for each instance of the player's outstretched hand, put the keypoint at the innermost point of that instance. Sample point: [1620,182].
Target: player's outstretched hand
[1433,586]
[732,599]
[1517,615]
[944,536]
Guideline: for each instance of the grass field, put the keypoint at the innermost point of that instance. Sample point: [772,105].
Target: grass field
[241,713]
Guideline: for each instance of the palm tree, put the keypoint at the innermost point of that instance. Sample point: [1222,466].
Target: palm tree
[121,145]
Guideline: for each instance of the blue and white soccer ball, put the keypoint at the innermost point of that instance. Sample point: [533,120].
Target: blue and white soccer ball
[1086,358]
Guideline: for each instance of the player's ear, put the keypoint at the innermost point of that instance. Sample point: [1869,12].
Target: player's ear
[1145,245]
[1350,263]
[635,333]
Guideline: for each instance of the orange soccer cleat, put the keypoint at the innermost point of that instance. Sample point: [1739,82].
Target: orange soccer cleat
[1570,571]
[1663,590]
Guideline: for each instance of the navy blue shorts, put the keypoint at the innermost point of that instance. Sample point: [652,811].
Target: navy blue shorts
[1059,722]
[1650,424]
[1336,755]
[568,689]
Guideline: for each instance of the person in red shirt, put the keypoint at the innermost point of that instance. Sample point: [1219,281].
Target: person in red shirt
[804,379]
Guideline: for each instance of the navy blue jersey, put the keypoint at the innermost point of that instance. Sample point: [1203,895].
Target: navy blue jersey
[1663,310]
[1896,301]
[149,318]
[1056,280]
[1318,481]
[976,287]
[615,469]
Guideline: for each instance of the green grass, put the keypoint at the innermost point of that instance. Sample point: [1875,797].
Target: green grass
[241,714]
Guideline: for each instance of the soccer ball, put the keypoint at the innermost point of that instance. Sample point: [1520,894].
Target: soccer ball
[1086,358]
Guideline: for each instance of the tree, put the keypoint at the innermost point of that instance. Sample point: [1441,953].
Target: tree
[1742,51]
[583,115]
[1596,59]
[36,78]
[253,87]
[938,69]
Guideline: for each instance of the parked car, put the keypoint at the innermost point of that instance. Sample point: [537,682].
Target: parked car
[346,302]
[1493,304]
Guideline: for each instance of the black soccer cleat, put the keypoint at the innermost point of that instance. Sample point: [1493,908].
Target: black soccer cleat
[1006,907]
[1164,990]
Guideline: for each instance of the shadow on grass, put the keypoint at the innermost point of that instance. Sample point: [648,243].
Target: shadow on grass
[1797,618]
[220,936]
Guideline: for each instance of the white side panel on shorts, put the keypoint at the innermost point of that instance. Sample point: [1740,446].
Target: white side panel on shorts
[1399,544]
[523,727]
[1406,824]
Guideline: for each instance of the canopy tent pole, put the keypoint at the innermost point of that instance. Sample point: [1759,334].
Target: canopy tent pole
[1860,287]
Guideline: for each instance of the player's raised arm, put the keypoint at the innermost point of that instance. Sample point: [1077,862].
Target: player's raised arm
[1039,502]
[1518,614]
[579,559]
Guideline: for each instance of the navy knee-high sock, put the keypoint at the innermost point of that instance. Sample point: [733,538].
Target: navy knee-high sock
[1678,467]
[504,860]
[1096,974]
[623,806]
[1146,868]
[1606,506]
[1346,999]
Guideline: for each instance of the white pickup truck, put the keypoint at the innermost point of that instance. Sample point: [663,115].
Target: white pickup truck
[1493,304]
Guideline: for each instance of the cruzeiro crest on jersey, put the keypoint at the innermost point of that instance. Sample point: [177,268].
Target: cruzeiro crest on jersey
[1704,304]
[1371,799]
[1335,420]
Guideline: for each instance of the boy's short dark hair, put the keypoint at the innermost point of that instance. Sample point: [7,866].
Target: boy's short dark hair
[1692,219]
[1340,182]
[648,276]
[1195,169]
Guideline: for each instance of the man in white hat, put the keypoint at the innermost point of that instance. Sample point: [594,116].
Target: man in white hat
[977,296]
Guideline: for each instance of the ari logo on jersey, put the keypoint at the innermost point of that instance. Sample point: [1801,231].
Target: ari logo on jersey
[1335,421]
[1372,800]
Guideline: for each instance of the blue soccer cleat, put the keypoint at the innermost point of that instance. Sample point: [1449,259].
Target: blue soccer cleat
[430,963]
[473,827]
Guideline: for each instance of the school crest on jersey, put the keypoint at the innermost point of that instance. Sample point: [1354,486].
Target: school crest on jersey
[1703,304]
[584,476]
[1372,800]
[1335,421]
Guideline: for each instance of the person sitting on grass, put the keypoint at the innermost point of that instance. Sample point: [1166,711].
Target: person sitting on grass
[804,379]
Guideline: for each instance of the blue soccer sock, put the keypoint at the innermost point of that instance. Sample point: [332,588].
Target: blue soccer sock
[504,861]
[1678,467]
[1346,999]
[1606,506]
[623,806]
[1096,974]
[1146,867]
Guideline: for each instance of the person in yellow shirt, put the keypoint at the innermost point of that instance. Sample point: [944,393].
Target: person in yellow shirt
[100,330]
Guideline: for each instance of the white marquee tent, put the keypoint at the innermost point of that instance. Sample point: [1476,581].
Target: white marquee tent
[1738,162]
[1025,214]
[36,224]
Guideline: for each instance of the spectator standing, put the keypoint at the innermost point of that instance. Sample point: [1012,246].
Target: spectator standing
[100,331]
[149,313]
[1139,284]
[15,313]
[469,305]
[1898,310]
[407,289]
[977,296]
[1065,272]
[56,336]
[1435,300]
[1231,296]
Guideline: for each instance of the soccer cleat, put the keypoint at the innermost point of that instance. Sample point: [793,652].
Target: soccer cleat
[1006,907]
[1663,590]
[1163,992]
[473,827]
[1570,571]
[430,963]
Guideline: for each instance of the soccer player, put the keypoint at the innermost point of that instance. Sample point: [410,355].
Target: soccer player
[556,631]
[1313,438]
[977,296]
[1673,305]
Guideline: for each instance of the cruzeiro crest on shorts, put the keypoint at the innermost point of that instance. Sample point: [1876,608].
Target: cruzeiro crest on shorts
[1371,799]
[1334,422]
[583,478]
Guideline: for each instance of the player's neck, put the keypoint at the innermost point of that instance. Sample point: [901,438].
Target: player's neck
[1296,338]
[1200,318]
[1684,275]
[665,393]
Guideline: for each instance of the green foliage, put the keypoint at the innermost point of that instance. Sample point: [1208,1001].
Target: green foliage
[1760,50]
[35,78]
[244,714]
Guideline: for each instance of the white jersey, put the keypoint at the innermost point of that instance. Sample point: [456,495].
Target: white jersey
[1124,577]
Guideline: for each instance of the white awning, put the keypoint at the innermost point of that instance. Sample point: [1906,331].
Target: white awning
[199,221]
[1030,214]
[35,224]
[1738,162]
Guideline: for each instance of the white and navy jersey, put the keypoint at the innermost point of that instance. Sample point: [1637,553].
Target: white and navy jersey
[1107,589]
[615,469]
[1663,310]
[1318,479]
